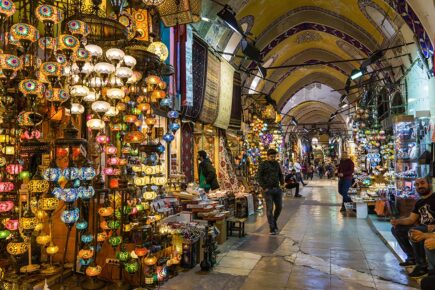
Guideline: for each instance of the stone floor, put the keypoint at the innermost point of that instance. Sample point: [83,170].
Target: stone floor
[317,248]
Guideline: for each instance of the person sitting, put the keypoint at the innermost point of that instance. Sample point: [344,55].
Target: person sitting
[291,182]
[409,231]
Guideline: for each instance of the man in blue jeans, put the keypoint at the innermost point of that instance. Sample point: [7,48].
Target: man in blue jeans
[270,177]
[410,232]
[345,175]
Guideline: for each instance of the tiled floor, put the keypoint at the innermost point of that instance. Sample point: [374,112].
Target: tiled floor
[317,248]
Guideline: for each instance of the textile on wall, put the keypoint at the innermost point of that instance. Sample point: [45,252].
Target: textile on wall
[211,96]
[225,96]
[227,175]
[236,108]
[199,71]
[187,146]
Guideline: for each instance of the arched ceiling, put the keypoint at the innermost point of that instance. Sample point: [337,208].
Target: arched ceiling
[289,32]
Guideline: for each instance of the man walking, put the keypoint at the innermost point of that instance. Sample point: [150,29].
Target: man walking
[270,178]
[345,174]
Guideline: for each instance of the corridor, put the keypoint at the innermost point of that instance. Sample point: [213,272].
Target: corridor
[317,248]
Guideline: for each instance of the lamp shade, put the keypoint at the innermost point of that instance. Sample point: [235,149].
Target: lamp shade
[31,87]
[48,13]
[104,68]
[77,109]
[92,96]
[48,203]
[7,9]
[24,32]
[160,49]
[112,112]
[129,61]
[16,248]
[100,106]
[124,73]
[115,93]
[79,91]
[95,124]
[95,50]
[70,216]
[47,43]
[67,43]
[115,54]
[79,28]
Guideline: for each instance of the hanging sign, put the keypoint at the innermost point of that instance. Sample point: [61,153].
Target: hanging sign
[225,96]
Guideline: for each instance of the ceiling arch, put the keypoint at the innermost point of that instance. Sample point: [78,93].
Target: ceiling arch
[310,55]
[268,17]
[325,79]
[312,112]
[320,73]
[313,92]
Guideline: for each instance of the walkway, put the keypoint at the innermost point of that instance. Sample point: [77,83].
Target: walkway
[317,248]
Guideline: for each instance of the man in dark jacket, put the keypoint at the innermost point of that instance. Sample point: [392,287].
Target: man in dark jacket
[345,174]
[206,172]
[270,178]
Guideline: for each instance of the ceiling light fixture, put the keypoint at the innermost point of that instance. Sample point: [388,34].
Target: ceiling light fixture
[229,17]
[356,73]
[251,51]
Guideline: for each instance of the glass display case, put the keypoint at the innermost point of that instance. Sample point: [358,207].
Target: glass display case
[412,143]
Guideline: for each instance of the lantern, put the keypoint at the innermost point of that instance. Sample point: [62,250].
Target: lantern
[159,49]
[179,12]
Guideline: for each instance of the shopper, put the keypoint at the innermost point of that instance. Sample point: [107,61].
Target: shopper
[409,231]
[320,170]
[298,168]
[206,172]
[291,182]
[270,178]
[345,174]
[304,170]
[310,171]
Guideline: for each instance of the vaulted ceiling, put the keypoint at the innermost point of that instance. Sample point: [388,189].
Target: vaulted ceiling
[289,32]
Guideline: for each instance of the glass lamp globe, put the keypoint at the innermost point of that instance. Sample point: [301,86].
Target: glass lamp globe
[7,9]
[77,109]
[94,50]
[168,137]
[91,97]
[104,68]
[87,68]
[95,124]
[115,54]
[100,106]
[129,61]
[159,49]
[115,93]
[137,76]
[124,73]
[79,91]
[112,112]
